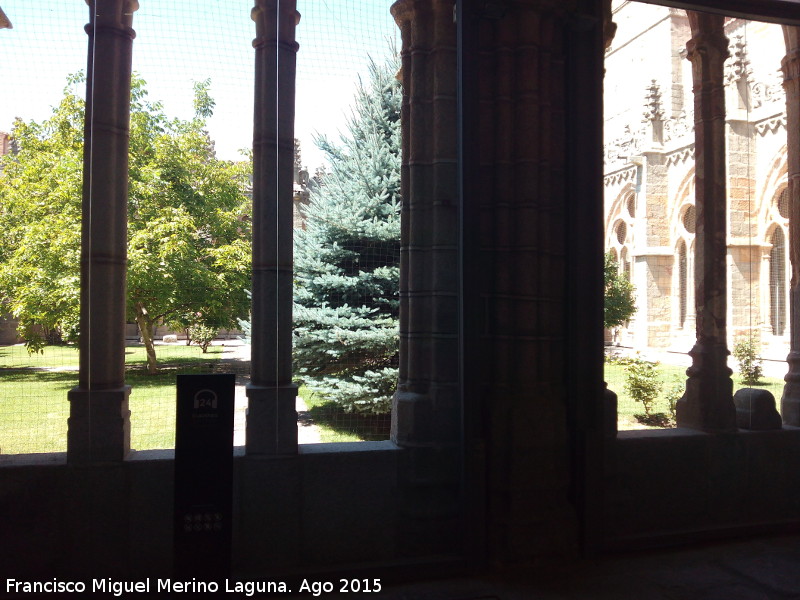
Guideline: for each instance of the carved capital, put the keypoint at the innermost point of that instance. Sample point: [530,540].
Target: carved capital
[276,19]
[112,14]
[709,42]
[790,65]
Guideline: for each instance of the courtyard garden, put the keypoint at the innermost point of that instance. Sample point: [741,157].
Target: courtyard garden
[664,384]
[33,395]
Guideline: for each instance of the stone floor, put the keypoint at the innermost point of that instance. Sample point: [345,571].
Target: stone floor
[760,569]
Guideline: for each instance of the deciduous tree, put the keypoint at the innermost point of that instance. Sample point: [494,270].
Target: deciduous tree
[188,231]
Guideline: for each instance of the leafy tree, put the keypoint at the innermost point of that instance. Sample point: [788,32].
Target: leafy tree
[347,257]
[40,206]
[188,238]
[620,302]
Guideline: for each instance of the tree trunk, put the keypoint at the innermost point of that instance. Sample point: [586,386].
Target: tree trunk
[146,327]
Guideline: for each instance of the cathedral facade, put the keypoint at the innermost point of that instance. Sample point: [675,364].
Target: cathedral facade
[649,181]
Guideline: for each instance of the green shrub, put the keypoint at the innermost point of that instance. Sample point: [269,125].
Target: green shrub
[643,384]
[674,393]
[745,351]
[202,335]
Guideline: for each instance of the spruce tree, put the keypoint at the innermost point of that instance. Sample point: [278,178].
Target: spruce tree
[346,295]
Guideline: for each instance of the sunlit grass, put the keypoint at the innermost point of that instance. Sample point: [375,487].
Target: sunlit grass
[33,395]
[627,407]
[335,425]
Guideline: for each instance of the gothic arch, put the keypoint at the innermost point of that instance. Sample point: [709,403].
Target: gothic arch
[776,181]
[678,205]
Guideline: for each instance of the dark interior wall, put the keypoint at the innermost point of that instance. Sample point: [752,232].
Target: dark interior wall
[332,504]
[522,199]
[679,486]
[538,453]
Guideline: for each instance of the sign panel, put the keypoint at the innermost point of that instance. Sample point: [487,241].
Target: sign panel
[204,475]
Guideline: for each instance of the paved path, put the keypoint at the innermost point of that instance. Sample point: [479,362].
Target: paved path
[236,359]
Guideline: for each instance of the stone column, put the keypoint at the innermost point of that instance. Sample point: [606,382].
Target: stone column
[271,414]
[708,401]
[426,406]
[99,422]
[790,401]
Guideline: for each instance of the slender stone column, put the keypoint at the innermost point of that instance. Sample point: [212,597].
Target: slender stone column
[425,404]
[708,402]
[99,422]
[790,401]
[271,414]
[426,407]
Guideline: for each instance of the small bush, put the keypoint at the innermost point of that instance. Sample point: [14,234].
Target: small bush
[674,393]
[642,383]
[745,351]
[202,335]
[658,419]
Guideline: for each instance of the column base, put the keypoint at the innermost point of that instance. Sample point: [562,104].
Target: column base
[412,416]
[609,413]
[790,400]
[99,425]
[271,420]
[707,404]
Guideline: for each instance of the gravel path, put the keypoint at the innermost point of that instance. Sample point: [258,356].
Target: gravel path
[236,359]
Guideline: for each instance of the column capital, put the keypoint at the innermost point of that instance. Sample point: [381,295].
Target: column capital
[275,19]
[708,38]
[112,14]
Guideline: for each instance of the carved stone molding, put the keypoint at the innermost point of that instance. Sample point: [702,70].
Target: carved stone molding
[737,67]
[623,176]
[680,156]
[654,110]
[771,125]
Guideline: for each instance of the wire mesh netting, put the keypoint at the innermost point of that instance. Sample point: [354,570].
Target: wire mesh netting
[33,386]
[189,204]
[348,228]
[651,215]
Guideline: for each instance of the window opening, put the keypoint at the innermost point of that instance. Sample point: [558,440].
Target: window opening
[689,216]
[649,144]
[777,277]
[347,220]
[41,134]
[682,283]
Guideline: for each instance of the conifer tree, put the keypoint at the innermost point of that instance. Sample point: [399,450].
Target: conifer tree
[347,257]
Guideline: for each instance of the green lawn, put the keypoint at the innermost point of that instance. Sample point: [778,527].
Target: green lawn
[627,407]
[338,426]
[33,395]
[34,407]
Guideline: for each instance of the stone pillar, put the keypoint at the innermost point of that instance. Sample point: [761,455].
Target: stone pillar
[707,403]
[790,401]
[271,414]
[99,421]
[426,407]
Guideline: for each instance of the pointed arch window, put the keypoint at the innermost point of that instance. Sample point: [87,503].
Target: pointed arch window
[777,282]
[683,271]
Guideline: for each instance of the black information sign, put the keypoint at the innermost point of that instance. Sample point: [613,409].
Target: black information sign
[204,475]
